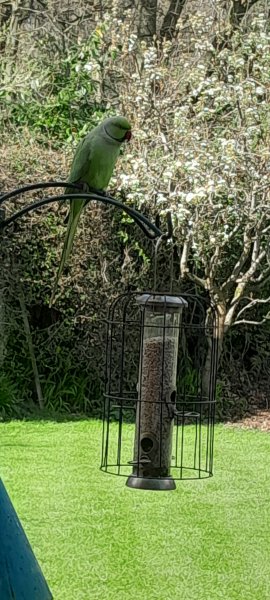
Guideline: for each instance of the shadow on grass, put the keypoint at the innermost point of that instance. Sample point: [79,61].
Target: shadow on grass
[97,415]
[49,415]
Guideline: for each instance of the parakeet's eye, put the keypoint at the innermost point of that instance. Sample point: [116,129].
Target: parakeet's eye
[128,136]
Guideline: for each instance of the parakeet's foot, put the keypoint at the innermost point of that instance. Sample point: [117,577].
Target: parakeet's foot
[95,191]
[87,189]
[84,186]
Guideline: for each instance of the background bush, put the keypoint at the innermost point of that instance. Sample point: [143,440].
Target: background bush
[195,84]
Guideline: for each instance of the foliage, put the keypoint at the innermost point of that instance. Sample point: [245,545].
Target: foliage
[209,139]
[71,392]
[9,396]
[57,103]
[199,105]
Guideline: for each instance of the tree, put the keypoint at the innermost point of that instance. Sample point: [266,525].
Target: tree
[208,158]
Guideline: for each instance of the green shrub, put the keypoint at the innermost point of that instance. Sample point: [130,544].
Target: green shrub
[9,396]
[58,103]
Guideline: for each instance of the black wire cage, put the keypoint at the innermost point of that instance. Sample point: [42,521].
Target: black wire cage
[159,401]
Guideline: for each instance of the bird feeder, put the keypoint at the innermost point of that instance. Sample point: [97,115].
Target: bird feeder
[158,417]
[161,317]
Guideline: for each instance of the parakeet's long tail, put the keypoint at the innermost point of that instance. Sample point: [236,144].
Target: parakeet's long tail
[68,243]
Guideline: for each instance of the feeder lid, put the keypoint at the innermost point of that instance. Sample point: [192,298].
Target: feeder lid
[158,301]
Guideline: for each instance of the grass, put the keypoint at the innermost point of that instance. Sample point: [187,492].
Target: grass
[96,539]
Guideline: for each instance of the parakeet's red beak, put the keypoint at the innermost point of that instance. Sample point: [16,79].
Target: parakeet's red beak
[128,136]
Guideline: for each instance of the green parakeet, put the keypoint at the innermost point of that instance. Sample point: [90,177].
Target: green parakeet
[92,165]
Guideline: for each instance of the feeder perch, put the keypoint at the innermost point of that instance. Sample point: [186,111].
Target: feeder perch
[158,420]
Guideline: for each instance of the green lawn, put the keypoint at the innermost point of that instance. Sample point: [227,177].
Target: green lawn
[97,539]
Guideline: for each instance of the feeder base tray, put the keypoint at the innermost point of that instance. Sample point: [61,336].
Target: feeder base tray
[148,483]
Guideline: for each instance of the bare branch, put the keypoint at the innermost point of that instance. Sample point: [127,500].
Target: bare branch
[239,9]
[184,269]
[253,303]
[262,277]
[31,350]
[254,265]
[266,229]
[213,265]
[201,282]
[242,284]
[247,322]
[184,256]
[247,244]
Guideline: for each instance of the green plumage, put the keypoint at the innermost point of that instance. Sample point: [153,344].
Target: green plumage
[93,165]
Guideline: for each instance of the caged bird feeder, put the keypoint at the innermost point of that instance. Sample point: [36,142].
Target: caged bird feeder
[159,403]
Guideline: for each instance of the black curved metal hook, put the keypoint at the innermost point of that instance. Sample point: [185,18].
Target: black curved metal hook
[37,186]
[145,225]
[151,230]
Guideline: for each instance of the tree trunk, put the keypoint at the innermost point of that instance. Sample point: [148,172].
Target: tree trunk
[217,340]
[168,29]
[147,26]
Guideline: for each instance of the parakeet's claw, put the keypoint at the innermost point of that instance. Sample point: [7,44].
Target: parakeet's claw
[87,189]
[95,191]
[101,193]
[84,187]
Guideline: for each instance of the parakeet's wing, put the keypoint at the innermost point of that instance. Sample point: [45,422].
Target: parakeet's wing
[81,166]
